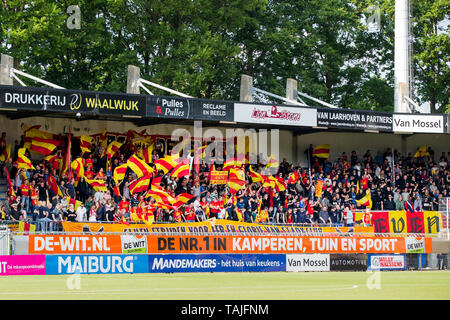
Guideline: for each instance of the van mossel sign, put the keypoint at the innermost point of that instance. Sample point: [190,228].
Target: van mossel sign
[418,123]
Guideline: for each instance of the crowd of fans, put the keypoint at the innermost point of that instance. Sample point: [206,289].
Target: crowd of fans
[395,181]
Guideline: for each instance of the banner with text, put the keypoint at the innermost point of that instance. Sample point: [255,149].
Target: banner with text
[217,226]
[429,222]
[275,115]
[58,100]
[116,244]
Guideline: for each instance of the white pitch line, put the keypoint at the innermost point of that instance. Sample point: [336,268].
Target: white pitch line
[170,290]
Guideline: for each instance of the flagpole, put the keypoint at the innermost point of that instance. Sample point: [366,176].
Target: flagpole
[393,172]
[309,167]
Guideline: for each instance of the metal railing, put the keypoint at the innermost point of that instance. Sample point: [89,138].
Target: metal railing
[293,230]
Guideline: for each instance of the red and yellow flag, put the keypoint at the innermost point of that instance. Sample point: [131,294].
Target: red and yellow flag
[182,199]
[167,163]
[98,185]
[422,152]
[139,167]
[321,151]
[119,172]
[77,166]
[112,149]
[366,200]
[181,169]
[140,185]
[43,146]
[86,143]
[22,161]
[256,177]
[6,153]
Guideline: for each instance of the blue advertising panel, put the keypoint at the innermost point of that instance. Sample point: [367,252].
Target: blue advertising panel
[217,262]
[96,264]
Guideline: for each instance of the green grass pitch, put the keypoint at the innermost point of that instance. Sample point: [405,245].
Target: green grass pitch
[403,285]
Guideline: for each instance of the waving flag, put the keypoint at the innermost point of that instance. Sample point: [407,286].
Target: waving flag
[10,185]
[147,153]
[77,166]
[366,200]
[161,196]
[256,177]
[232,163]
[112,149]
[293,177]
[181,169]
[119,172]
[86,143]
[156,182]
[319,187]
[98,185]
[280,185]
[75,202]
[182,199]
[43,146]
[167,163]
[272,162]
[139,166]
[236,180]
[51,180]
[23,161]
[6,153]
[140,185]
[322,151]
[268,182]
[65,164]
[236,174]
[421,152]
[34,132]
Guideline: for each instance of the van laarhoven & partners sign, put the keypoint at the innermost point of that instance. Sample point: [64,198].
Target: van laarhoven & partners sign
[59,100]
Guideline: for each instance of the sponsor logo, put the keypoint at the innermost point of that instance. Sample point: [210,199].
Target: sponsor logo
[114,104]
[307,262]
[387,262]
[35,99]
[95,264]
[75,101]
[134,244]
[275,114]
[418,123]
[171,263]
[415,245]
[172,108]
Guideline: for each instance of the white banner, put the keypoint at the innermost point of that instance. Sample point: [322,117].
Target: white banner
[418,123]
[307,262]
[381,262]
[415,245]
[272,114]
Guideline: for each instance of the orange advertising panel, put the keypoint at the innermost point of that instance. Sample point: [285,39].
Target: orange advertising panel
[71,244]
[278,244]
[127,243]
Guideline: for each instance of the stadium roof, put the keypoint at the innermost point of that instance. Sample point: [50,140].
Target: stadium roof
[23,102]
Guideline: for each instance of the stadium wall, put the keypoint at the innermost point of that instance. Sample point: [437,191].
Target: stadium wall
[292,147]
[361,142]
